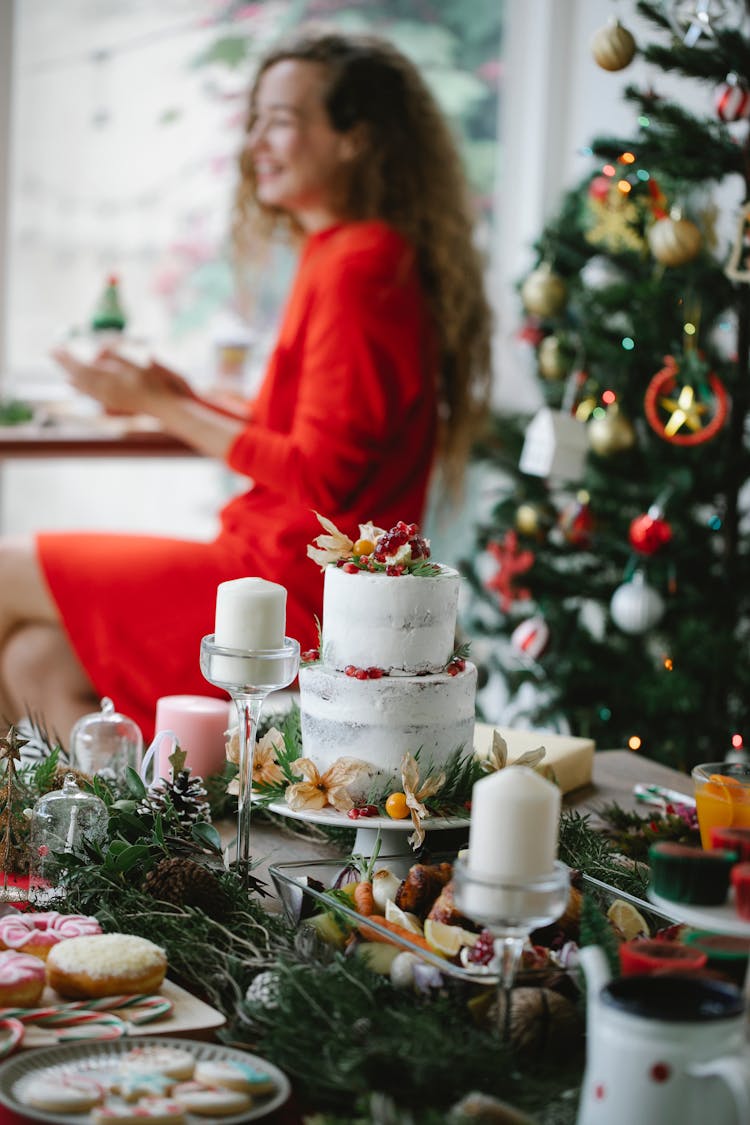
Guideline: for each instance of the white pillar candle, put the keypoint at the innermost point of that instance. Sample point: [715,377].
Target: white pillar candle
[250,614]
[515,816]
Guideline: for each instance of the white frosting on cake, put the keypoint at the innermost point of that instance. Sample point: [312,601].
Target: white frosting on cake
[377,721]
[405,625]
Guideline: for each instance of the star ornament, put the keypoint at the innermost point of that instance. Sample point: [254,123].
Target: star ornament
[684,415]
[11,745]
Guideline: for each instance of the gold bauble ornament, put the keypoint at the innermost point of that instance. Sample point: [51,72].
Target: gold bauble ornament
[551,358]
[674,241]
[544,292]
[534,519]
[613,46]
[611,433]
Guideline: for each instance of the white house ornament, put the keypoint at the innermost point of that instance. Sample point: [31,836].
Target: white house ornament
[612,46]
[544,292]
[636,607]
[555,446]
[674,241]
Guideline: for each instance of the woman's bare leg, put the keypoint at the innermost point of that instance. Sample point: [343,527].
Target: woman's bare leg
[39,672]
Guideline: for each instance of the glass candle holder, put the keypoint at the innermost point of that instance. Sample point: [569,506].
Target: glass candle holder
[510,909]
[248,676]
[64,820]
[106,743]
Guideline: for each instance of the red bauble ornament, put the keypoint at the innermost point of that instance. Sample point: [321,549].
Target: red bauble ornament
[599,188]
[577,522]
[732,100]
[649,533]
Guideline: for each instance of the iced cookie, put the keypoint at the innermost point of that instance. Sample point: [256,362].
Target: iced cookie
[156,1110]
[234,1075]
[171,1061]
[133,1084]
[63,1093]
[210,1101]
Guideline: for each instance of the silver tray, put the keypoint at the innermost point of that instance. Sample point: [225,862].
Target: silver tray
[21,1070]
[288,877]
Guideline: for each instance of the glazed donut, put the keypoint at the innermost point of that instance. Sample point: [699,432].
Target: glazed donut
[37,933]
[105,965]
[22,979]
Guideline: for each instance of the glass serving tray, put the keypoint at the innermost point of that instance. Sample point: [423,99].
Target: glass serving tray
[292,887]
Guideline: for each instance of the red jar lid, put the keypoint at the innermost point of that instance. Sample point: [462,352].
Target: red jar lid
[647,956]
[735,839]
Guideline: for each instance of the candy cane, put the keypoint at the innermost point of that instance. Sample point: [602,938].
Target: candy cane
[149,1008]
[14,1030]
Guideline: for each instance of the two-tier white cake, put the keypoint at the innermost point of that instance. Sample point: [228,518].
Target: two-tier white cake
[387,681]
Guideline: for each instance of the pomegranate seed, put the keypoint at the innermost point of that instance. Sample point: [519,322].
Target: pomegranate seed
[310,655]
[350,670]
[350,568]
[368,810]
[375,673]
[452,670]
[354,814]
[360,674]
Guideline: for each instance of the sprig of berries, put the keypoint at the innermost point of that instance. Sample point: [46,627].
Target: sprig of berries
[362,810]
[363,673]
[484,950]
[399,536]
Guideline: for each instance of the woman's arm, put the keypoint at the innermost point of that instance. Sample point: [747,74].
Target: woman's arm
[123,387]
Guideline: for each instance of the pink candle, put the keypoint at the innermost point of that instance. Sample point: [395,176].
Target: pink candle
[200,723]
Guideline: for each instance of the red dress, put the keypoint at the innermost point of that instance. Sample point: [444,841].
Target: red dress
[344,424]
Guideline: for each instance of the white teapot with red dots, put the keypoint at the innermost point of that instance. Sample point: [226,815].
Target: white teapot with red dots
[663,1049]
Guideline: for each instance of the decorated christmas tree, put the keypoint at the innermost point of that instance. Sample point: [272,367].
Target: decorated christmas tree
[613,574]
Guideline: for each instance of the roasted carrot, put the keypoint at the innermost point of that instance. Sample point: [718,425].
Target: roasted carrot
[363,900]
[371,934]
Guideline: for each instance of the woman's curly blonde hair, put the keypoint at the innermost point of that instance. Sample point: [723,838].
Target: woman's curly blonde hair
[407,172]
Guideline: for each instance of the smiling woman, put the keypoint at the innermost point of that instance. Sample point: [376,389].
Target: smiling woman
[381,370]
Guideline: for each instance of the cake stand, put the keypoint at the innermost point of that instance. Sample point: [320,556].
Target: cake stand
[722,919]
[394,834]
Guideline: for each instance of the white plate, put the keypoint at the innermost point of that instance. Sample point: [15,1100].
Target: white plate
[21,1070]
[720,919]
[334,819]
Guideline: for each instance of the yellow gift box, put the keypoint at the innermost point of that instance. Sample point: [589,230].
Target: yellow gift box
[570,759]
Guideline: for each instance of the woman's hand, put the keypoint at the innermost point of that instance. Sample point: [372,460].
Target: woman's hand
[123,387]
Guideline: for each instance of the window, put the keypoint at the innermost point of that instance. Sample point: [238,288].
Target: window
[125,120]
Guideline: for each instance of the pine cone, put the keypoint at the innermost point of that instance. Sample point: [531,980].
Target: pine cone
[183,882]
[185,797]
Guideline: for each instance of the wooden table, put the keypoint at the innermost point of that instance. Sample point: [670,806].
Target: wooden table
[98,436]
[614,775]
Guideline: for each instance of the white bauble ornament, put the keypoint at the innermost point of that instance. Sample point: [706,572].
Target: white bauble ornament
[613,46]
[544,292]
[674,241]
[636,607]
[531,637]
[599,273]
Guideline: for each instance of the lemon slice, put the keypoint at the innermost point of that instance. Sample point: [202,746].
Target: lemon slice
[629,921]
[447,940]
[402,918]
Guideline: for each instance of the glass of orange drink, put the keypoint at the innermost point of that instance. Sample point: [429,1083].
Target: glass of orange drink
[722,797]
